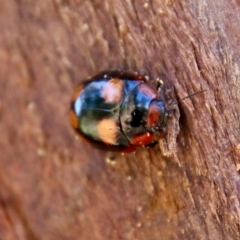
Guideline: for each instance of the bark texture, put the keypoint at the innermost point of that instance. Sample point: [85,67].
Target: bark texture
[55,187]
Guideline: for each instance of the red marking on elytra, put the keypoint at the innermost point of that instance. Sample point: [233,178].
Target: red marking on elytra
[143,139]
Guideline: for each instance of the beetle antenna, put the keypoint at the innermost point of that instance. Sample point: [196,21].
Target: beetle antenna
[188,96]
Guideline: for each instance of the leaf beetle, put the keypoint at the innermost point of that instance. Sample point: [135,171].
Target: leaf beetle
[118,111]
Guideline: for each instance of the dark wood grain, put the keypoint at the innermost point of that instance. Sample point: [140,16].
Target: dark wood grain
[53,186]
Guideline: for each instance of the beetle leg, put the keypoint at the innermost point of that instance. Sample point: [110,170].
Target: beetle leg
[159,84]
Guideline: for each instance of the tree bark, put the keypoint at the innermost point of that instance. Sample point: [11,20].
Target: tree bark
[53,186]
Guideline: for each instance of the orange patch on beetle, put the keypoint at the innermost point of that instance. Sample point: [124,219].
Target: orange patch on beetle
[73,119]
[148,90]
[113,90]
[77,92]
[142,139]
[107,131]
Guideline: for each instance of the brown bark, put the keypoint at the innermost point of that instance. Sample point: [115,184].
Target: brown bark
[54,187]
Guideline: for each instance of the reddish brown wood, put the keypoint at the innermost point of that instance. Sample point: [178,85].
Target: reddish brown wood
[55,187]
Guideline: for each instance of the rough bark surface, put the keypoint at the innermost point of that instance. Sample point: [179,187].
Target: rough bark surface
[55,187]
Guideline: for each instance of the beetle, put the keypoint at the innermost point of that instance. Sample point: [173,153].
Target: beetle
[118,111]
